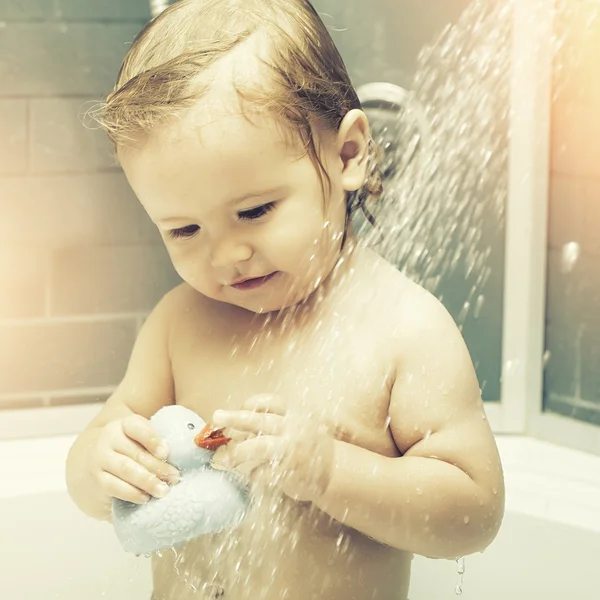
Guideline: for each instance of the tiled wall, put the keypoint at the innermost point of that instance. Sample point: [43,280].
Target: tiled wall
[80,263]
[573,328]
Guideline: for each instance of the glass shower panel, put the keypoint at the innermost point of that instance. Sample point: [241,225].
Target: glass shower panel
[572,373]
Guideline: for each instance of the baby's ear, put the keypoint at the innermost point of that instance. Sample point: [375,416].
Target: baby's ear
[353,143]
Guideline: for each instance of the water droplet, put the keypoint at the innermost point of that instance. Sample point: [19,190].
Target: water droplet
[460,563]
[464,312]
[466,519]
[511,367]
[478,306]
[570,255]
[546,358]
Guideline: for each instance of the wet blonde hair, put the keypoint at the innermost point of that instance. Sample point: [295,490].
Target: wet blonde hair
[307,81]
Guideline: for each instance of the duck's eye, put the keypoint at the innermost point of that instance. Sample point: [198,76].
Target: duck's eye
[191,426]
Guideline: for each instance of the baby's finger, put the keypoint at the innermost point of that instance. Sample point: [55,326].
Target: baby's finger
[257,423]
[238,436]
[139,454]
[140,430]
[258,450]
[267,403]
[132,472]
[117,488]
[261,476]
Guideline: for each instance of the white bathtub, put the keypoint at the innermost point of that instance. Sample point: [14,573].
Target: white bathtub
[548,548]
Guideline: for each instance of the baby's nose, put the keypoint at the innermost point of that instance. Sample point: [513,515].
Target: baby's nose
[228,252]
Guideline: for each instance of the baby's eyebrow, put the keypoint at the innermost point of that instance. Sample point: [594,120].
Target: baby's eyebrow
[234,202]
[170,220]
[256,195]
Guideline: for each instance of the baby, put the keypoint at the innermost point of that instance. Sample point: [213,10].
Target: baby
[348,391]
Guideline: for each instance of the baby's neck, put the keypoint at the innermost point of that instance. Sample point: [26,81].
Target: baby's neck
[326,296]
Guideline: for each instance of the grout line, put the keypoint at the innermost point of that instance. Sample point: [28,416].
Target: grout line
[81,96]
[48,267]
[84,173]
[72,319]
[48,395]
[58,20]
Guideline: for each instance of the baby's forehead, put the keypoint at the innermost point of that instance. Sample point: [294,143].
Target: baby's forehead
[238,94]
[220,118]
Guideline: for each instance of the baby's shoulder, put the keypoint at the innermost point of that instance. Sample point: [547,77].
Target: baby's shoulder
[181,304]
[406,305]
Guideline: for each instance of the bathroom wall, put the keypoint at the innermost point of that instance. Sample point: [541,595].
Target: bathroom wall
[573,304]
[80,265]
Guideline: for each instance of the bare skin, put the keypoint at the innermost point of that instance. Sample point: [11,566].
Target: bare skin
[343,374]
[315,556]
[388,452]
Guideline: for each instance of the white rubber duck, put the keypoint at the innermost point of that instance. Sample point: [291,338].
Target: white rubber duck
[206,500]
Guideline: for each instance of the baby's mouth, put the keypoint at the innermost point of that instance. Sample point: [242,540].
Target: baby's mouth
[253,283]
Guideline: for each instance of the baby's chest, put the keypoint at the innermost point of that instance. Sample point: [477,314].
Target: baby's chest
[342,382]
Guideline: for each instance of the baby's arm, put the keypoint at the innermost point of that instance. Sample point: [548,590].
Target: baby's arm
[118,453]
[445,496]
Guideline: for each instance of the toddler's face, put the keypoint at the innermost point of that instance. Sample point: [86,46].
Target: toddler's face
[234,201]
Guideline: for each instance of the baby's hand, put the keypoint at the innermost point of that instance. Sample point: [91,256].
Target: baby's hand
[296,453]
[128,461]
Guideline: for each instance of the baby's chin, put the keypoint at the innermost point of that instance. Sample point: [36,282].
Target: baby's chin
[272,303]
[286,295]
[266,307]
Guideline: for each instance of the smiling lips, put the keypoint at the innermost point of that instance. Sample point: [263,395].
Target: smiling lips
[251,284]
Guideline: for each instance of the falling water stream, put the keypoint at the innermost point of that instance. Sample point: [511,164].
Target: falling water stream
[442,198]
[445,192]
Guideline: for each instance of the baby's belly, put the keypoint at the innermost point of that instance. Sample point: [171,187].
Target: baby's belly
[283,551]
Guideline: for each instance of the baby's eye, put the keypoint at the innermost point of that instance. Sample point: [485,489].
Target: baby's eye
[184,232]
[256,213]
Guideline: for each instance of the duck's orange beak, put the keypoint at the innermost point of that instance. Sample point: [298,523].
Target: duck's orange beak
[210,438]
